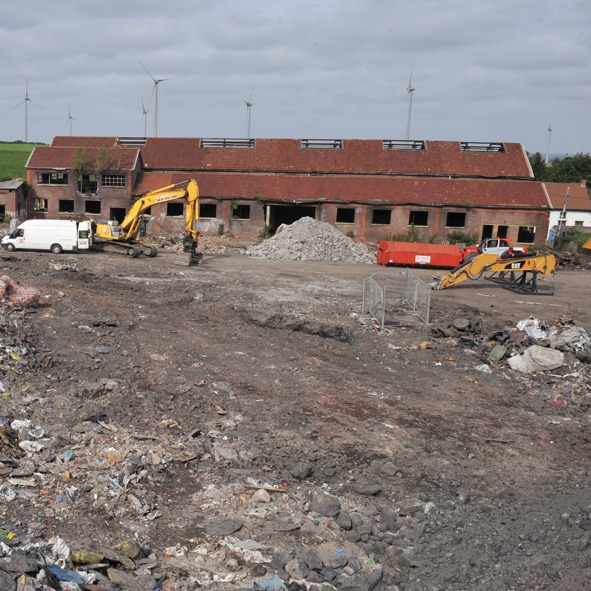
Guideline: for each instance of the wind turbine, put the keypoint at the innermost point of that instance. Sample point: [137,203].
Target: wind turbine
[26,101]
[548,145]
[248,109]
[156,83]
[70,119]
[410,91]
[145,115]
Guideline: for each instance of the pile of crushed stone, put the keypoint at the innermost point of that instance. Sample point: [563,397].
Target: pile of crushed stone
[310,240]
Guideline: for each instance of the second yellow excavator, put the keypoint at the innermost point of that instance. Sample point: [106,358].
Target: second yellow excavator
[125,237]
[515,272]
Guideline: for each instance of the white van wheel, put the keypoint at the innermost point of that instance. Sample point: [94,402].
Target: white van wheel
[56,249]
[10,247]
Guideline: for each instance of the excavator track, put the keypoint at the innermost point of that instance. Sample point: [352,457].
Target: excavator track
[122,248]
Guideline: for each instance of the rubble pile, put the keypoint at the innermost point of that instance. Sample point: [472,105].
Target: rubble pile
[310,240]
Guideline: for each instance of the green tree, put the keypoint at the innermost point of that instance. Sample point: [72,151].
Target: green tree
[538,166]
[570,169]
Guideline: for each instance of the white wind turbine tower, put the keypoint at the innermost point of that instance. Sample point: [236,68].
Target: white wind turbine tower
[145,116]
[248,109]
[548,145]
[410,90]
[156,83]
[26,101]
[70,119]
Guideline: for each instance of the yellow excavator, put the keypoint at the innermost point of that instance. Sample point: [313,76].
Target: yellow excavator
[517,272]
[587,244]
[126,237]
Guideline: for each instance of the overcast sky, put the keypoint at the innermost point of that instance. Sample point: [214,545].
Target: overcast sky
[484,71]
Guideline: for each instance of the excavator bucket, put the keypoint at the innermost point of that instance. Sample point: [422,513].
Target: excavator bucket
[188,259]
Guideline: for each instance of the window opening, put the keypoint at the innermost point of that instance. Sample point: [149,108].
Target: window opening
[92,207]
[87,183]
[40,205]
[345,215]
[52,178]
[174,210]
[418,218]
[381,216]
[322,144]
[66,206]
[455,219]
[113,180]
[207,210]
[241,212]
[403,145]
[526,234]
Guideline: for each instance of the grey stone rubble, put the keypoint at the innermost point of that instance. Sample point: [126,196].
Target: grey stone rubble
[310,240]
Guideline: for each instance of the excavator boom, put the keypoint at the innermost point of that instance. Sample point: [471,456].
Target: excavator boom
[510,271]
[123,237]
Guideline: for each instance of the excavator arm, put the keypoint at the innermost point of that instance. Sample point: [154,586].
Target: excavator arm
[131,224]
[510,271]
[114,237]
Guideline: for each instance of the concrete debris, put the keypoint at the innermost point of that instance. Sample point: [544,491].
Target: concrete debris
[310,240]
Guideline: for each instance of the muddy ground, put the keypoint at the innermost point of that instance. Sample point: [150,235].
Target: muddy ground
[236,417]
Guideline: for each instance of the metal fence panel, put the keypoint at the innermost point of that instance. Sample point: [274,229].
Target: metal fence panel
[392,303]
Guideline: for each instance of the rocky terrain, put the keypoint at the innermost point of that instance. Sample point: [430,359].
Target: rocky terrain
[241,424]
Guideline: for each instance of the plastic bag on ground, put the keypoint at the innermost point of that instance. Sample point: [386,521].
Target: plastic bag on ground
[536,358]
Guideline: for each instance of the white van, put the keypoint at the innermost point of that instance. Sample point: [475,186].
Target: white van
[54,235]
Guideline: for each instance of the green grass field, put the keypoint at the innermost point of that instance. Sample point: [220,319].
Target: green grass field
[13,158]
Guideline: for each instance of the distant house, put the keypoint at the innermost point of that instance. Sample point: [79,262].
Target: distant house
[369,189]
[570,206]
[13,199]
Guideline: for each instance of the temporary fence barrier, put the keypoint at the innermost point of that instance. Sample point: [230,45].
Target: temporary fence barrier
[392,303]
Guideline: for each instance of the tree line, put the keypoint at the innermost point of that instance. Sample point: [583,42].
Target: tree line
[569,169]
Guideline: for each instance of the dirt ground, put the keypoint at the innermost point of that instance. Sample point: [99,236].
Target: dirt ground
[211,413]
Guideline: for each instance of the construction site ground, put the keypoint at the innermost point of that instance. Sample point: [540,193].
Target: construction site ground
[171,396]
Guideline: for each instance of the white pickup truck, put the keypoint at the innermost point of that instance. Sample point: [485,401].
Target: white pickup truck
[498,246]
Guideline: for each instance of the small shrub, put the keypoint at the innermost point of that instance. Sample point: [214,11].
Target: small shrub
[264,233]
[459,237]
[221,229]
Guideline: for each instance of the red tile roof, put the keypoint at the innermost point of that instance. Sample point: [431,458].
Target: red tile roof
[359,189]
[50,157]
[578,200]
[439,157]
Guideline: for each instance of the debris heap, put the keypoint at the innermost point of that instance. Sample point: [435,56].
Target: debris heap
[310,240]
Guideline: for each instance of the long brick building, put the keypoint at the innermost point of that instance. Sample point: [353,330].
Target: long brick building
[369,189]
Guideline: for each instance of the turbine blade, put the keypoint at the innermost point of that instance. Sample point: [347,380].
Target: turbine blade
[142,65]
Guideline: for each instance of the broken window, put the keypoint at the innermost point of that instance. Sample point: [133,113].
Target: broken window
[87,183]
[52,178]
[92,206]
[241,212]
[455,219]
[381,216]
[345,215]
[418,218]
[40,204]
[207,210]
[175,210]
[526,234]
[66,206]
[113,180]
